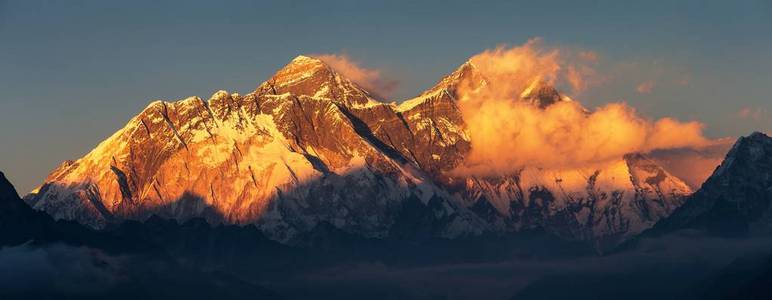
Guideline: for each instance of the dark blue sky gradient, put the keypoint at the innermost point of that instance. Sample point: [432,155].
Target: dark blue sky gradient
[73,72]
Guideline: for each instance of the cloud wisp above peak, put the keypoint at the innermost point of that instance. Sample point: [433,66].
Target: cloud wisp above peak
[508,133]
[370,79]
[645,87]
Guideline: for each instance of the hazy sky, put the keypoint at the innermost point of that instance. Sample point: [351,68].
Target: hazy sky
[73,72]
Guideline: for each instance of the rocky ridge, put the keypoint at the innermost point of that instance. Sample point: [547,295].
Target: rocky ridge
[310,147]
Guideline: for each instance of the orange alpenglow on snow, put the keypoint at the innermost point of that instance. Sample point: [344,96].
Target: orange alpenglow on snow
[492,147]
[509,132]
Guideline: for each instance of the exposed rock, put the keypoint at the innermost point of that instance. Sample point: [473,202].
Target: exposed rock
[310,147]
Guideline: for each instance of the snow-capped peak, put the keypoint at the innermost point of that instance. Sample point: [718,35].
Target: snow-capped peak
[311,77]
[302,59]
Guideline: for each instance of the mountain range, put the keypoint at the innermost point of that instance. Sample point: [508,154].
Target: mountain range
[311,186]
[310,149]
[161,258]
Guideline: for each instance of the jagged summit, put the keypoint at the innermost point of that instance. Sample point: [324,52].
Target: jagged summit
[542,94]
[18,222]
[747,152]
[447,88]
[469,78]
[311,77]
[7,191]
[737,197]
[466,74]
[303,59]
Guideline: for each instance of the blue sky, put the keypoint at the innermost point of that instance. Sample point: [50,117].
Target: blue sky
[73,72]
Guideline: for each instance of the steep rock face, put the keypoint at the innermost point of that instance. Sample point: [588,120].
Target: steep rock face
[285,157]
[309,147]
[736,197]
[19,223]
[13,211]
[306,76]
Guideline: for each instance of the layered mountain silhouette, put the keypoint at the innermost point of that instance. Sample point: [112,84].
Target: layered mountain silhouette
[735,199]
[148,267]
[310,148]
[18,221]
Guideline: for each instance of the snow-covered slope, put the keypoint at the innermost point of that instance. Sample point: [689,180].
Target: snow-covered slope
[310,147]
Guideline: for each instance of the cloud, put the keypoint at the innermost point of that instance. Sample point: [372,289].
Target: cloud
[693,165]
[580,77]
[590,56]
[581,70]
[508,133]
[369,79]
[57,269]
[744,112]
[687,255]
[749,113]
[645,87]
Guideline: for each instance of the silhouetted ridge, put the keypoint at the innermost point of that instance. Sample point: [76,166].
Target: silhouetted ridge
[735,200]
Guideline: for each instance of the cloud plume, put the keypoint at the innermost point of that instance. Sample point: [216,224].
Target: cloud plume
[755,114]
[370,79]
[645,87]
[508,132]
[693,165]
